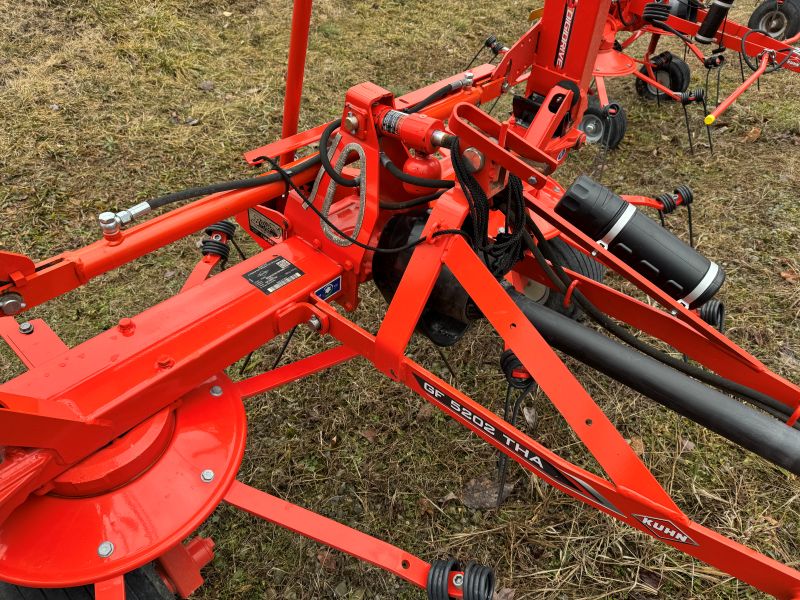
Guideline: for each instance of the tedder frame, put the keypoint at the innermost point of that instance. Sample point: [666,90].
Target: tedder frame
[116,450]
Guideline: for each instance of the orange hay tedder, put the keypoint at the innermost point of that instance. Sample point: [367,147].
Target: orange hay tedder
[116,450]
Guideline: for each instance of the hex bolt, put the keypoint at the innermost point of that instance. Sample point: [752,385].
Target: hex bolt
[315,323]
[126,326]
[105,549]
[215,391]
[109,223]
[207,476]
[458,580]
[26,328]
[532,180]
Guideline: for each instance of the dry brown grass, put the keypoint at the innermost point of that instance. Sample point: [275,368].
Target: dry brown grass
[94,100]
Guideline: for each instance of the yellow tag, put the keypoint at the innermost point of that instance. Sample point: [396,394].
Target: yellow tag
[536,14]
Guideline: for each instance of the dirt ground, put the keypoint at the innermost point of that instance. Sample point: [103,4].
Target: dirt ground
[105,103]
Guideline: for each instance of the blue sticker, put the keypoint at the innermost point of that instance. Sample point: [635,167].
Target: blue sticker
[330,289]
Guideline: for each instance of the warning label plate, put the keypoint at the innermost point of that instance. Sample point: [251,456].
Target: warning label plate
[264,227]
[273,275]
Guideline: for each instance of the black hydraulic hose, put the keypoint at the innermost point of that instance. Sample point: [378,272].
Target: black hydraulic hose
[413,180]
[326,162]
[754,65]
[753,430]
[225,186]
[562,281]
[434,97]
[421,201]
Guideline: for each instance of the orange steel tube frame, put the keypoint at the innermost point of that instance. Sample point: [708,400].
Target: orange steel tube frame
[298,46]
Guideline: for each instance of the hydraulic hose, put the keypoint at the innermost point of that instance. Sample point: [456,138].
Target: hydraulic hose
[334,125]
[753,430]
[407,178]
[225,186]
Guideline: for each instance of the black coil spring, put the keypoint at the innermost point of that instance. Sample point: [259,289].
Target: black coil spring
[510,363]
[696,95]
[478,582]
[655,11]
[216,248]
[439,578]
[494,45]
[670,201]
[661,60]
[713,313]
[685,192]
[226,227]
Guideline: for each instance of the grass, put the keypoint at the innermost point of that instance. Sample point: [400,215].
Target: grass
[96,101]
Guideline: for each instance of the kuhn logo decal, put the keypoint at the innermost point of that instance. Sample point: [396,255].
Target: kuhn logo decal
[566,32]
[664,529]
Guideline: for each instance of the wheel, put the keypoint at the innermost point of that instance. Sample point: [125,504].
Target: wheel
[574,260]
[142,584]
[778,20]
[600,128]
[675,76]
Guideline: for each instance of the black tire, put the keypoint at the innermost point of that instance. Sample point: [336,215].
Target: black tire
[675,76]
[577,261]
[142,584]
[780,21]
[601,128]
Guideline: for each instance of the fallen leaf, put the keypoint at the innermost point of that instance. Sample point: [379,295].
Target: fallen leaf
[687,445]
[341,589]
[530,416]
[650,579]
[753,135]
[791,276]
[425,507]
[505,594]
[227,13]
[206,86]
[327,560]
[448,498]
[369,434]
[637,444]
[481,493]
